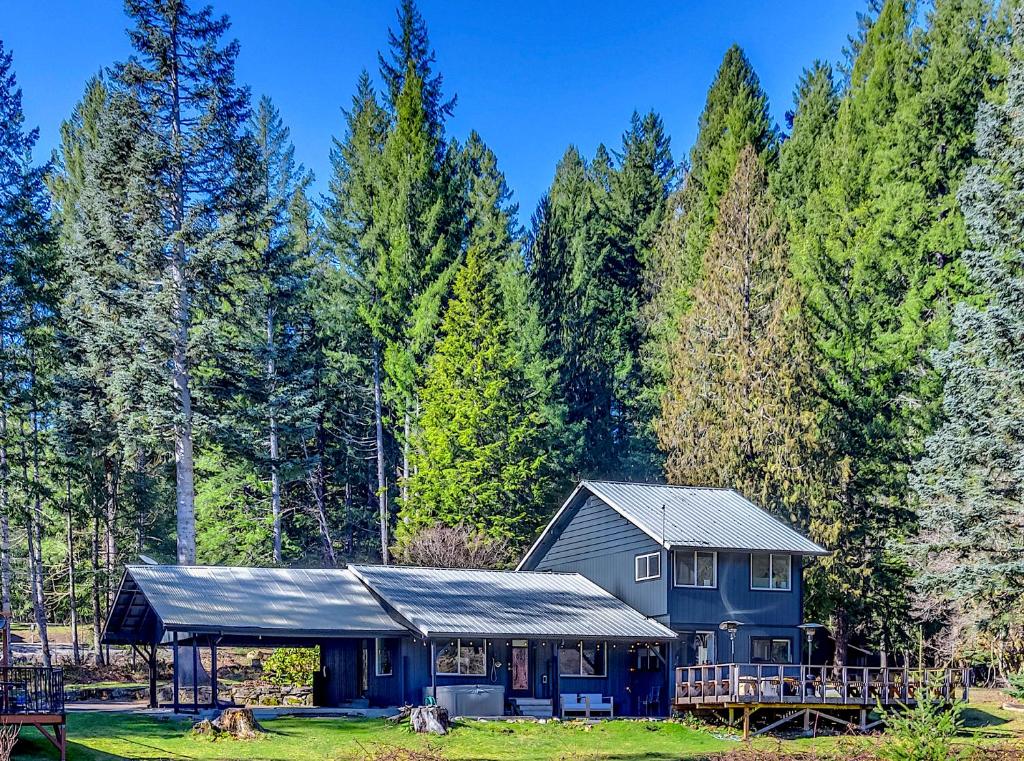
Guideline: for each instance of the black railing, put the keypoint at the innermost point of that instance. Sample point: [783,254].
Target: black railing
[31,689]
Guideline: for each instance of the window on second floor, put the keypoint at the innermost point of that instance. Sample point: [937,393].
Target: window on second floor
[695,568]
[771,572]
[648,566]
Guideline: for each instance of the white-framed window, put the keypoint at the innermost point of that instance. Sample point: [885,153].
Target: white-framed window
[462,657]
[772,572]
[695,568]
[771,650]
[648,566]
[382,657]
[583,659]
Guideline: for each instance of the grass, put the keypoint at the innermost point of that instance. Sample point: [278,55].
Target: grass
[118,736]
[110,737]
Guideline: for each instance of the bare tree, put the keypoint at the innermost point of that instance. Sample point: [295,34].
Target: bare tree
[455,547]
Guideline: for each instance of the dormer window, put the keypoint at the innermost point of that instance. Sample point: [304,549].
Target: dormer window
[696,568]
[648,566]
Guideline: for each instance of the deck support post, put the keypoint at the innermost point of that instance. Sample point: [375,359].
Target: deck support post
[214,702]
[151,662]
[174,691]
[863,719]
[433,669]
[746,723]
[807,720]
[732,716]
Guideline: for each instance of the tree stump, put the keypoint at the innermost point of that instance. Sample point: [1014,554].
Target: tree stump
[430,719]
[239,723]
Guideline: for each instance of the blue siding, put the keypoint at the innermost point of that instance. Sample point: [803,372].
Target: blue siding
[595,541]
[625,685]
[600,544]
[734,599]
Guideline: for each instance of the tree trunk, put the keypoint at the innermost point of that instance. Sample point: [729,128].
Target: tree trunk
[405,454]
[76,655]
[378,420]
[183,458]
[5,530]
[34,532]
[97,613]
[275,454]
[429,719]
[841,633]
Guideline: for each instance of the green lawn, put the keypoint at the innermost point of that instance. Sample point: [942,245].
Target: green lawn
[123,736]
[115,736]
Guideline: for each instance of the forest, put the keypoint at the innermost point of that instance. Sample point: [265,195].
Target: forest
[204,361]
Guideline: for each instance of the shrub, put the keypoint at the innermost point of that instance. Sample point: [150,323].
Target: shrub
[292,666]
[922,733]
[1016,688]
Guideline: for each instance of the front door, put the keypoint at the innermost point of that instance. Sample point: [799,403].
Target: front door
[519,668]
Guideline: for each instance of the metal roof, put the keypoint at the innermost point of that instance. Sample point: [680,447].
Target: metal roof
[691,516]
[457,602]
[261,601]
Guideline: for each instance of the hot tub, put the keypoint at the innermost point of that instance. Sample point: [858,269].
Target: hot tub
[470,699]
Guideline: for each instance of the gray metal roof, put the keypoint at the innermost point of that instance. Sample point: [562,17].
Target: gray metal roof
[454,602]
[693,516]
[290,601]
[697,516]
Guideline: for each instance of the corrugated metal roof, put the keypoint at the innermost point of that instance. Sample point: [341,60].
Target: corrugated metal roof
[289,601]
[453,602]
[694,516]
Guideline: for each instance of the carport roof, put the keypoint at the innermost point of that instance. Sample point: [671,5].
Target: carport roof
[244,603]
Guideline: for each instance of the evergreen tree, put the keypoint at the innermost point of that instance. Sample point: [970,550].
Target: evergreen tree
[482,453]
[735,115]
[183,77]
[875,250]
[352,229]
[969,480]
[26,346]
[259,374]
[736,411]
[410,48]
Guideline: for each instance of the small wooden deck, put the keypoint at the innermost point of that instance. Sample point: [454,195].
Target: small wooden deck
[812,691]
[33,696]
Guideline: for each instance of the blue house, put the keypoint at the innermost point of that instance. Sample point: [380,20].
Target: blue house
[627,582]
[692,558]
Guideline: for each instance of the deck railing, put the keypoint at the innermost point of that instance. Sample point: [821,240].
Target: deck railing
[31,689]
[851,685]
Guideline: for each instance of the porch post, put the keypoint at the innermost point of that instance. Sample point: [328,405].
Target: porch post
[195,675]
[151,661]
[213,674]
[557,697]
[670,687]
[433,669]
[175,688]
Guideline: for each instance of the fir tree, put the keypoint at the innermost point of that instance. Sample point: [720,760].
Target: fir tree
[483,448]
[26,347]
[872,248]
[183,76]
[969,480]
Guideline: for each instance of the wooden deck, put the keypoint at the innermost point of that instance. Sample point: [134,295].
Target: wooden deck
[32,696]
[740,684]
[786,693]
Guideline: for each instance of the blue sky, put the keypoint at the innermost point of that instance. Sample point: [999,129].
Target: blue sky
[531,77]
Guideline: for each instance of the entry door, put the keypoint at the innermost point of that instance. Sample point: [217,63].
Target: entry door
[519,668]
[704,647]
